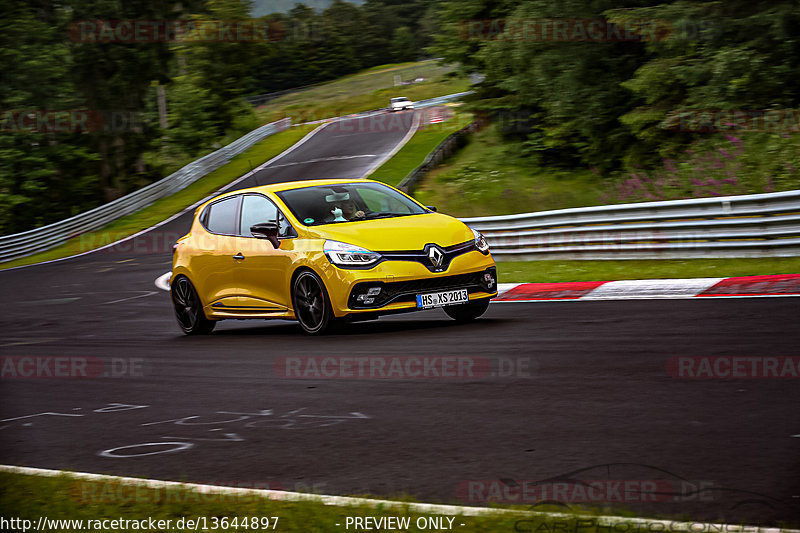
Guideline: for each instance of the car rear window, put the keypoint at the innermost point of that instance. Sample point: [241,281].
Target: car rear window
[221,216]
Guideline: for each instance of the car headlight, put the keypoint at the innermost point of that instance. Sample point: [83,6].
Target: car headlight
[480,242]
[349,255]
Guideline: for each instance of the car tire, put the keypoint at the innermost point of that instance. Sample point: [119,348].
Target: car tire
[468,311]
[312,306]
[189,309]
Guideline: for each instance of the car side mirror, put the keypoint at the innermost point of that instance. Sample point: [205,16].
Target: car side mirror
[266,230]
[431,207]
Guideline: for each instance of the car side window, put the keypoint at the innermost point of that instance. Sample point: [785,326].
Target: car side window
[256,209]
[221,216]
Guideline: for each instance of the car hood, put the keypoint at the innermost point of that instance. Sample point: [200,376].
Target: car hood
[399,233]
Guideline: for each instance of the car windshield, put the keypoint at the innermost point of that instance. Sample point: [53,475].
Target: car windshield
[402,99]
[348,202]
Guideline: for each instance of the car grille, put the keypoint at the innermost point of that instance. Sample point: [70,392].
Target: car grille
[421,256]
[406,291]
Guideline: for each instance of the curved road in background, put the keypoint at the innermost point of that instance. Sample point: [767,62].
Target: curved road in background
[576,390]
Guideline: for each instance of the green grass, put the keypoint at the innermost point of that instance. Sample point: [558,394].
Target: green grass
[166,207]
[557,271]
[488,177]
[369,89]
[418,147]
[31,497]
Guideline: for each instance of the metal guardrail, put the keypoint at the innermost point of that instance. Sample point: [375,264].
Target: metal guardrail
[441,99]
[450,144]
[754,225]
[419,104]
[45,237]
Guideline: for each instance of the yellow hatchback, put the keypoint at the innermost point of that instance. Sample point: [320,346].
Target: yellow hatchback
[324,251]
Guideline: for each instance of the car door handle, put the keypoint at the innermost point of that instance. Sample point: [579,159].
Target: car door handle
[238,256]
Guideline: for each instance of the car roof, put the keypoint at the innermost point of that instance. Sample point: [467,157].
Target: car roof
[288,185]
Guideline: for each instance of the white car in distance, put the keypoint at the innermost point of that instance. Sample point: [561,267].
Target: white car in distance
[400,103]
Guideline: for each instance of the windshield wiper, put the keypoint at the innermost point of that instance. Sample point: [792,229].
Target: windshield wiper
[383,214]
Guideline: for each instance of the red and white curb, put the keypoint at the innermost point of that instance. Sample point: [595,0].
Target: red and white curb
[436,116]
[614,523]
[741,287]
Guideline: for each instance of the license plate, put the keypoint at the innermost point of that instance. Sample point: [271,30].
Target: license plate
[440,299]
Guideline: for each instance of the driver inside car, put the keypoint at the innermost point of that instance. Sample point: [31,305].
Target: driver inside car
[344,209]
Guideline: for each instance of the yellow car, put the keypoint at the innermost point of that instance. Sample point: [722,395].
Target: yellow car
[323,251]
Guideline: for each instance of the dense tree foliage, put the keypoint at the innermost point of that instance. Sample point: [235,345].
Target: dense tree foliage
[612,104]
[51,171]
[615,103]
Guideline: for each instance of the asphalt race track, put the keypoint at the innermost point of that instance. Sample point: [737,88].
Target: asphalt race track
[568,391]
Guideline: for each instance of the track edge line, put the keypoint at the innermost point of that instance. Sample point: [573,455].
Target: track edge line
[350,501]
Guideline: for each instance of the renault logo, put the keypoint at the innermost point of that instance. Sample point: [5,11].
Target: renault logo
[436,255]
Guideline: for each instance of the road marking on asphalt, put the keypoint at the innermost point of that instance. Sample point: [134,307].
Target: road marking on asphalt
[147,293]
[422,508]
[50,301]
[411,131]
[24,342]
[262,166]
[47,413]
[180,447]
[321,159]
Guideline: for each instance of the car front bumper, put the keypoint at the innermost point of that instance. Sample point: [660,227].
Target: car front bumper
[401,281]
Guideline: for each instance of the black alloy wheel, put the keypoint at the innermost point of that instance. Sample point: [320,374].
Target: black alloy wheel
[311,304]
[189,308]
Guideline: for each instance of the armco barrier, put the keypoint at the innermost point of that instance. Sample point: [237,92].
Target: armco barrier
[40,239]
[755,225]
[452,142]
[46,237]
[419,104]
